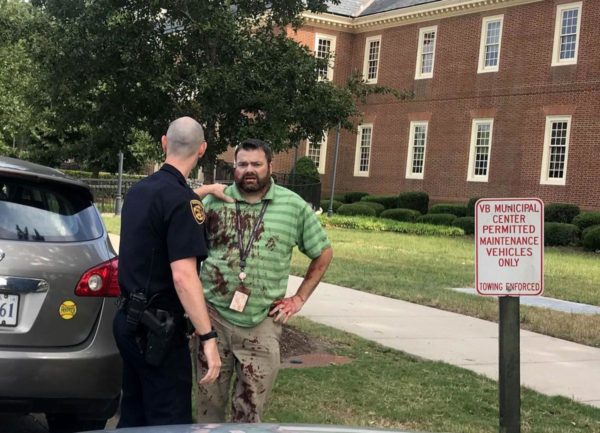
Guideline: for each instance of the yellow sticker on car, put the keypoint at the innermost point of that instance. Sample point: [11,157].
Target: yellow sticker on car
[67,310]
[197,210]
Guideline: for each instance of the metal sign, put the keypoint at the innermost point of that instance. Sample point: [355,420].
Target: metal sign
[509,247]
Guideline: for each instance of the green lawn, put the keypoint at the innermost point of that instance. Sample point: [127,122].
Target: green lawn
[421,269]
[382,387]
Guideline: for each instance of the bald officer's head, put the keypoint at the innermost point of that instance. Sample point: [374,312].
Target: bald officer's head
[184,139]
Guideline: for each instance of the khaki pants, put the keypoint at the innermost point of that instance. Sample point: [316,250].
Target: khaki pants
[253,355]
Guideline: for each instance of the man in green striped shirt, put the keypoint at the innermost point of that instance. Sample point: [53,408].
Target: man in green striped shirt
[245,280]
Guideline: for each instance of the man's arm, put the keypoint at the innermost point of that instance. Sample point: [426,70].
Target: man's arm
[189,290]
[215,189]
[287,307]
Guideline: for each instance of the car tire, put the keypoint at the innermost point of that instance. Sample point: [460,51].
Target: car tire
[71,423]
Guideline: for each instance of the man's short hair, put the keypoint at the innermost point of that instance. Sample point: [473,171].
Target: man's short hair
[255,144]
[184,137]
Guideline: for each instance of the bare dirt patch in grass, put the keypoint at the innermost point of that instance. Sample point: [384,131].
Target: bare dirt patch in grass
[300,350]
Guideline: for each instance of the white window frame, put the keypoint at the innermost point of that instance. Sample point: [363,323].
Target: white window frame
[482,68]
[545,179]
[560,9]
[471,176]
[423,75]
[332,39]
[322,153]
[411,150]
[368,42]
[357,154]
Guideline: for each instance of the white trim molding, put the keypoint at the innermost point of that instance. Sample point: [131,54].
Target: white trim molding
[480,150]
[362,155]
[417,147]
[426,52]
[565,15]
[331,51]
[484,43]
[556,150]
[372,43]
[319,159]
[409,15]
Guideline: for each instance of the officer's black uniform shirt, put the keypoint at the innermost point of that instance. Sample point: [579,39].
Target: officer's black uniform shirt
[161,222]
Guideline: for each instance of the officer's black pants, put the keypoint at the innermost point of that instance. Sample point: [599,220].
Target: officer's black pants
[153,395]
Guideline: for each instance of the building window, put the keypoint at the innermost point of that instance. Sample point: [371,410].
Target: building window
[426,52]
[325,47]
[317,152]
[363,150]
[556,150]
[371,62]
[566,34]
[417,140]
[479,153]
[491,39]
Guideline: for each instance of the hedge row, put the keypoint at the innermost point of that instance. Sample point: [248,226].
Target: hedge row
[458,210]
[564,225]
[408,215]
[382,224]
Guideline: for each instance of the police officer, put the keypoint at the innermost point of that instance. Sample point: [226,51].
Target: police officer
[162,243]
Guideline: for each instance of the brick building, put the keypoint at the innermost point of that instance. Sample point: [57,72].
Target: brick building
[506,98]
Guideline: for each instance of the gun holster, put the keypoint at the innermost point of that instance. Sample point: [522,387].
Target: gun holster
[159,328]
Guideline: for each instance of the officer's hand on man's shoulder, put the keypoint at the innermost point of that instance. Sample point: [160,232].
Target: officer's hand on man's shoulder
[217,190]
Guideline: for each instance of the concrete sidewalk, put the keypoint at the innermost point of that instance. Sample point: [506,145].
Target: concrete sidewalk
[548,365]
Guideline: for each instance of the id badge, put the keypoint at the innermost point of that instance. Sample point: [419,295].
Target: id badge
[240,299]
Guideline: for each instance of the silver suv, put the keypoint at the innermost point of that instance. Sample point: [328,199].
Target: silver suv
[58,283]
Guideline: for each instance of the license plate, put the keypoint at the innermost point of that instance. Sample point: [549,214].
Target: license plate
[9,309]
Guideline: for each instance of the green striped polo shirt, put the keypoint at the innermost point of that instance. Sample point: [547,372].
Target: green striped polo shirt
[289,221]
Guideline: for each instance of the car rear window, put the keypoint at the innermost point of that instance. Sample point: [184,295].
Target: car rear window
[46,212]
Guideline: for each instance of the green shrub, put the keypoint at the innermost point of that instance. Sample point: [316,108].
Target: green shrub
[586,219]
[437,219]
[591,239]
[560,234]
[356,209]
[459,210]
[467,223]
[307,171]
[586,230]
[388,201]
[377,206]
[385,225]
[398,214]
[416,200]
[353,197]
[560,212]
[471,206]
[339,197]
[325,205]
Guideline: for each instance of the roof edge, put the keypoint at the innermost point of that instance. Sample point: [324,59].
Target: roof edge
[408,15]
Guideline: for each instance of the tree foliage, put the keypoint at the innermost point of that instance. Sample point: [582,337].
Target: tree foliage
[113,68]
[16,75]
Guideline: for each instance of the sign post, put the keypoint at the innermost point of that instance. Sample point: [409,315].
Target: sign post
[509,261]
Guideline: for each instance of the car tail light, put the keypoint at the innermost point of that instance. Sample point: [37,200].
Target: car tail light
[101,280]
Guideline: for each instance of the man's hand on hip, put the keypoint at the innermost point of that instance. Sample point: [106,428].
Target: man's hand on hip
[285,308]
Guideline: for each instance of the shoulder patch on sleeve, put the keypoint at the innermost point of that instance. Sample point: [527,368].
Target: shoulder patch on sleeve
[198,211]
